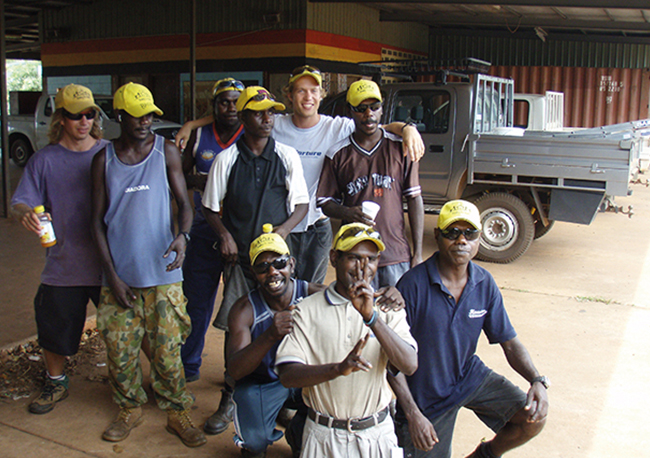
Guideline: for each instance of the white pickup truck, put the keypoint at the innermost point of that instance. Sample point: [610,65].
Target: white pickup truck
[28,133]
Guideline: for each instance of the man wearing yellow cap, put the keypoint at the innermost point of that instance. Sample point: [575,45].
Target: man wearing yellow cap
[368,166]
[312,134]
[58,178]
[449,302]
[141,258]
[203,266]
[255,181]
[338,353]
[257,323]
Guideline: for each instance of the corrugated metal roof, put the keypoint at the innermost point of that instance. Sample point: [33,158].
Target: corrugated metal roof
[534,52]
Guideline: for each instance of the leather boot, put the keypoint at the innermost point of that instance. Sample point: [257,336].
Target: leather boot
[180,423]
[126,420]
[220,420]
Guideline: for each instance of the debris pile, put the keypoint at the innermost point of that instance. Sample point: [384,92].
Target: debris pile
[22,368]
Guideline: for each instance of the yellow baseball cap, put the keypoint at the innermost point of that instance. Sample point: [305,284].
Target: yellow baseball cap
[268,241]
[306,70]
[136,100]
[227,84]
[257,98]
[74,99]
[459,210]
[363,90]
[350,235]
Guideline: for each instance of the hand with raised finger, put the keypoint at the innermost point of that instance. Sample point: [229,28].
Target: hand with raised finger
[389,299]
[354,361]
[361,293]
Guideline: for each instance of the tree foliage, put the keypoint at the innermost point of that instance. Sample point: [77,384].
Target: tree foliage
[24,75]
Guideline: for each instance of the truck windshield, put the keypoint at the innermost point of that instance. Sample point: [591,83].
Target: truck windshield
[428,110]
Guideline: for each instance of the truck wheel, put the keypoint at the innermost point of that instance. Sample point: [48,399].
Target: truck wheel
[20,151]
[541,230]
[508,227]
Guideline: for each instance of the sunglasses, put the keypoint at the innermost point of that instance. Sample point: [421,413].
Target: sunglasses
[355,232]
[237,85]
[77,117]
[362,108]
[454,233]
[278,264]
[258,98]
[303,69]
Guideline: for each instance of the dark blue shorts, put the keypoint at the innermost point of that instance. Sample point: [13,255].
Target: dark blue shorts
[61,314]
[494,402]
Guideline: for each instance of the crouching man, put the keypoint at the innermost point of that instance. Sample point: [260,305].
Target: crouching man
[257,323]
[449,302]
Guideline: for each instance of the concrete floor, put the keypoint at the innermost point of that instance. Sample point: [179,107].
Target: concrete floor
[579,299]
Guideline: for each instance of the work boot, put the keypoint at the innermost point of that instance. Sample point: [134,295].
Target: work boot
[180,423]
[220,420]
[126,420]
[53,392]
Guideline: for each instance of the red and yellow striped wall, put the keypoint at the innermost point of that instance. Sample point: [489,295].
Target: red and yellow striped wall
[303,43]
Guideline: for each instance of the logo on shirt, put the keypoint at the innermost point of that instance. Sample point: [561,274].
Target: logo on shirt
[310,153]
[356,186]
[476,313]
[207,155]
[379,183]
[382,181]
[142,187]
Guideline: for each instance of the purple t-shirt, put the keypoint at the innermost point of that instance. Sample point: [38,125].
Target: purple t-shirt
[60,180]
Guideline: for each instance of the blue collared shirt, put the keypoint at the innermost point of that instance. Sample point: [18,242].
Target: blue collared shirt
[447,333]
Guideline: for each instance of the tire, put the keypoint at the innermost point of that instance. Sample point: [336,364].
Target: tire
[541,230]
[20,151]
[508,227]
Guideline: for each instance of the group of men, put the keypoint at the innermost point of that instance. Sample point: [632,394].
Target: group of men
[265,185]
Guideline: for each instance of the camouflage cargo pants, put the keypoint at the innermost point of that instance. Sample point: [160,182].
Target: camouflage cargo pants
[159,313]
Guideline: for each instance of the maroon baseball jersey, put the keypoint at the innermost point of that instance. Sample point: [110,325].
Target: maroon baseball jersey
[352,175]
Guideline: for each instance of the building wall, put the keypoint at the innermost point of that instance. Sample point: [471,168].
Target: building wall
[98,84]
[148,42]
[362,22]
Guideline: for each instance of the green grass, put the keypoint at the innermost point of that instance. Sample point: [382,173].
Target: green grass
[593,299]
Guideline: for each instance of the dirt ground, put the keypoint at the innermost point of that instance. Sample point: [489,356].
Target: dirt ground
[579,299]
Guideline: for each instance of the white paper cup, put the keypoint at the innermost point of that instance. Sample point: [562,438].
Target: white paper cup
[370,209]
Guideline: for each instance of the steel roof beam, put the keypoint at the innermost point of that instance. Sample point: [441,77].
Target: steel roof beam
[614,4]
[526,21]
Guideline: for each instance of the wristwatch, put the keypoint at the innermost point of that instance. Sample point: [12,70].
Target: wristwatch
[543,380]
[186,235]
